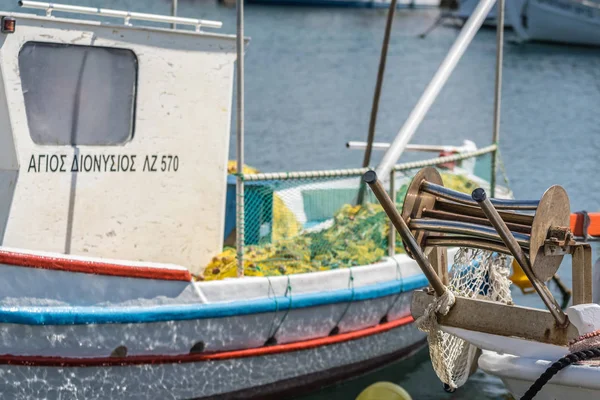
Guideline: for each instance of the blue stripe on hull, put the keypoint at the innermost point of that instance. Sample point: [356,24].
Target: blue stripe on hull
[125,315]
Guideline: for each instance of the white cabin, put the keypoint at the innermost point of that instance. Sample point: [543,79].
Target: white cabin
[114,139]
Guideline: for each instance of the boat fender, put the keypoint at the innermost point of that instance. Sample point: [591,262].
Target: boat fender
[384,391]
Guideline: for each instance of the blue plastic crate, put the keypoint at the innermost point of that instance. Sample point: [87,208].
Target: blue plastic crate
[258,198]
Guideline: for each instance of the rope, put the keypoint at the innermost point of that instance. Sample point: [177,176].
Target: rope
[446,159]
[282,176]
[401,292]
[269,291]
[288,291]
[556,367]
[351,286]
[441,305]
[356,172]
[428,323]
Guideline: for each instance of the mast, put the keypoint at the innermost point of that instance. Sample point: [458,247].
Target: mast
[440,78]
[174,12]
[239,187]
[497,94]
[377,95]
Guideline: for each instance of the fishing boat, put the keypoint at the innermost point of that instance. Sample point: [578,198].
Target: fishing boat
[114,215]
[560,21]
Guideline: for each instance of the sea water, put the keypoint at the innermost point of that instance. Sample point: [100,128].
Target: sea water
[310,77]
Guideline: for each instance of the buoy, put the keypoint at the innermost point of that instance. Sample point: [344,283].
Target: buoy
[520,279]
[384,391]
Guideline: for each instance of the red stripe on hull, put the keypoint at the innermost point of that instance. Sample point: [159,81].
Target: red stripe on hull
[92,267]
[41,361]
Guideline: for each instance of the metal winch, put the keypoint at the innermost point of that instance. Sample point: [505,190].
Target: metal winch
[535,233]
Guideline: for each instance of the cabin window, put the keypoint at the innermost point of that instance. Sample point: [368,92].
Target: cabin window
[78,95]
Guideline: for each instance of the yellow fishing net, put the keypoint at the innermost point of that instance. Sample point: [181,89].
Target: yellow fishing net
[312,225]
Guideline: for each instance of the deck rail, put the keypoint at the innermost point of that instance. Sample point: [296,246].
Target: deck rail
[127,16]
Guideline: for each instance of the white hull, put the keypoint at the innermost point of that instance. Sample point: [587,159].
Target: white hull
[520,362]
[466,8]
[576,382]
[561,21]
[69,334]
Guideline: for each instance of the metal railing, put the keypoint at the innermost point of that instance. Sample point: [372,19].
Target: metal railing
[352,173]
[127,16]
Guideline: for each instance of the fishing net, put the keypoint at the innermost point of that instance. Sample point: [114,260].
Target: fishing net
[296,225]
[475,274]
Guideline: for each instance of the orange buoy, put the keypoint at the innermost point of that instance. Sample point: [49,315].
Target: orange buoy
[577,224]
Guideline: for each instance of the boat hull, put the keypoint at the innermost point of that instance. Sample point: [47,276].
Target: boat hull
[466,8]
[142,330]
[576,382]
[239,374]
[353,3]
[560,21]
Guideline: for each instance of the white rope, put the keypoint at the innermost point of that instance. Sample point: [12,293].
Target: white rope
[445,159]
[428,323]
[337,173]
[474,274]
[441,305]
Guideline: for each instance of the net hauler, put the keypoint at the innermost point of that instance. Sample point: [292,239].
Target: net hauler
[514,338]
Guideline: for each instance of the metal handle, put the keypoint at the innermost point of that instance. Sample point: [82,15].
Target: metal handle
[511,243]
[464,228]
[462,198]
[370,177]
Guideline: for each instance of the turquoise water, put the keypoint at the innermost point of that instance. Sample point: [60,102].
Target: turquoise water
[310,75]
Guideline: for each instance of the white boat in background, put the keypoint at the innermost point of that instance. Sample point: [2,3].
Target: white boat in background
[560,21]
[354,3]
[466,7]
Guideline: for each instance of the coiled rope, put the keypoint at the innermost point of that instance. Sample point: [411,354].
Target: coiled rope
[556,367]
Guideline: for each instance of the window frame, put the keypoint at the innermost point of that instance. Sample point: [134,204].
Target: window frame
[132,124]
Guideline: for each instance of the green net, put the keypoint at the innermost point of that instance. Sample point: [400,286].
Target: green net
[305,225]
